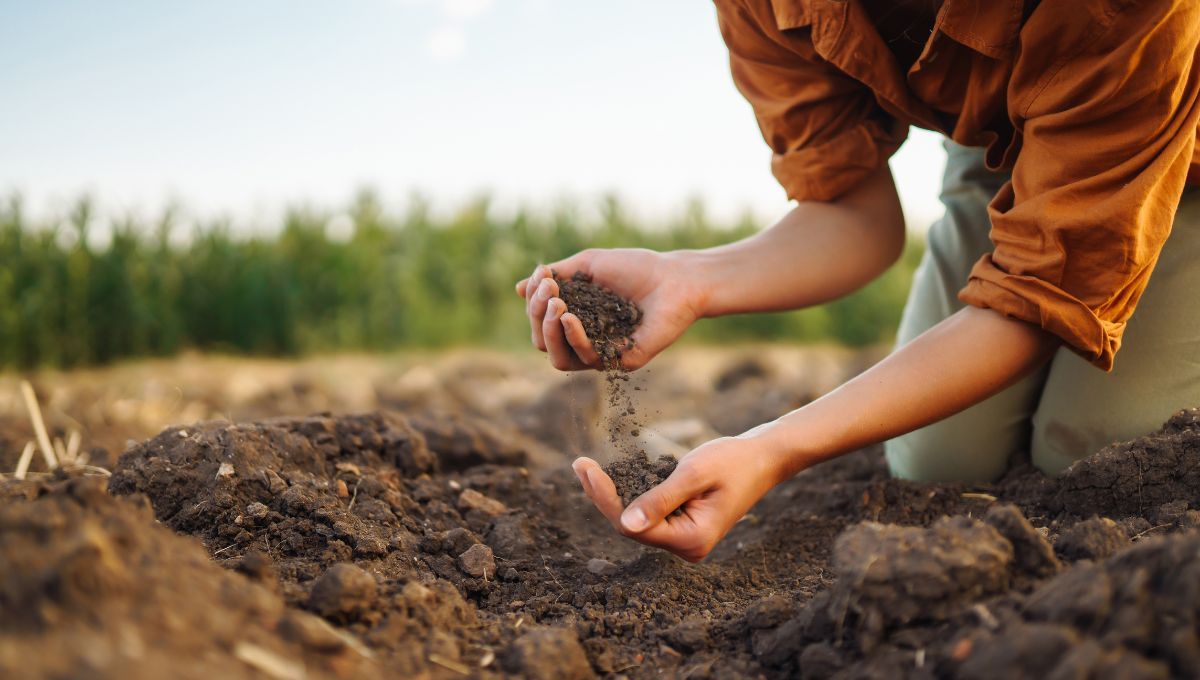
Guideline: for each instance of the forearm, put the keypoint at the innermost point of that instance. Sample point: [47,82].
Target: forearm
[818,252]
[966,358]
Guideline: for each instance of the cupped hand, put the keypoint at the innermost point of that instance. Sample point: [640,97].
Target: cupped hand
[713,487]
[668,291]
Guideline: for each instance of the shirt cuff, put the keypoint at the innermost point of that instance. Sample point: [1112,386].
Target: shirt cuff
[1031,299]
[826,171]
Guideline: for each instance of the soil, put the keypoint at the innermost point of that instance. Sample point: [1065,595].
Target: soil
[448,545]
[635,475]
[608,318]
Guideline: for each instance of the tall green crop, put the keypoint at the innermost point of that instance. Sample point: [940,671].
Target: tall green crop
[85,289]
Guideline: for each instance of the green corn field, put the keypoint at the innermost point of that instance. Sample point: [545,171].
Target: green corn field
[394,281]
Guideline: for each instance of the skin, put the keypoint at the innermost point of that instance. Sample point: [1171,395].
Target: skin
[818,252]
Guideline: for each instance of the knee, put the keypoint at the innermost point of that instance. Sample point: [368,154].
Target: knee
[1058,443]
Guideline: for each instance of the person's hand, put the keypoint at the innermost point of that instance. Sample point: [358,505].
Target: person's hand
[713,487]
[668,291]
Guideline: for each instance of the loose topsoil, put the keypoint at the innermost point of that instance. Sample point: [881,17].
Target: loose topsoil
[381,545]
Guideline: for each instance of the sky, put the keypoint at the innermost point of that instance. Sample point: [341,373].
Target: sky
[239,108]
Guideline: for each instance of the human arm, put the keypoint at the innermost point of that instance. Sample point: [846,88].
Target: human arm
[966,358]
[818,252]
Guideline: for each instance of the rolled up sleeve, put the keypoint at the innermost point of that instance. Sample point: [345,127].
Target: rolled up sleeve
[1109,131]
[826,130]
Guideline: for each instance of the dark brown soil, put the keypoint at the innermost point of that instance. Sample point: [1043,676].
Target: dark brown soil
[635,475]
[93,587]
[381,545]
[608,318]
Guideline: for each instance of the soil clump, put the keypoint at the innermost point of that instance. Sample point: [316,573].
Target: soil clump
[635,475]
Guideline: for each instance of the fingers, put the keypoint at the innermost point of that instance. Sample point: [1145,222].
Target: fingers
[600,489]
[546,289]
[680,534]
[578,340]
[562,356]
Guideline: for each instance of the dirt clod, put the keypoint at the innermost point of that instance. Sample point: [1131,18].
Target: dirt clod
[548,654]
[478,561]
[1091,539]
[899,574]
[470,499]
[344,590]
[1032,552]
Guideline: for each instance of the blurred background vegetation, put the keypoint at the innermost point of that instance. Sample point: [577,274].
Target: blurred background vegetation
[359,279]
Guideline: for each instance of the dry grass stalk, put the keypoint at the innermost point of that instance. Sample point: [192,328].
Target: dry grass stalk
[73,442]
[268,662]
[39,426]
[23,462]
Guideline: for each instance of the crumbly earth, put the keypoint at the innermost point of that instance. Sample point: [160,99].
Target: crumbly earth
[608,318]
[635,475]
[383,545]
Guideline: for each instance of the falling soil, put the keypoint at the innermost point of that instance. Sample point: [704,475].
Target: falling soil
[386,545]
[610,321]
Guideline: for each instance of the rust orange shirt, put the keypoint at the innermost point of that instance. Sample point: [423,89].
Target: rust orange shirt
[1092,104]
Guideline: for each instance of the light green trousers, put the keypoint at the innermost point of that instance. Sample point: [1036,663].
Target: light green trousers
[1069,409]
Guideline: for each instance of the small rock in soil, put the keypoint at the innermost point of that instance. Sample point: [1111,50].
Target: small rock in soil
[1091,539]
[478,561]
[688,636]
[470,499]
[601,567]
[257,511]
[342,591]
[635,475]
[770,612]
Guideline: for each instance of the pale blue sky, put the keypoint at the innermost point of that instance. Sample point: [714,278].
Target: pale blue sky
[239,107]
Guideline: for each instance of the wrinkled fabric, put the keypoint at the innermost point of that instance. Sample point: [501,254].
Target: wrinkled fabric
[1093,105]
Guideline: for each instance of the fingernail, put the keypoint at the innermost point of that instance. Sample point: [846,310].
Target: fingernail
[585,481]
[634,519]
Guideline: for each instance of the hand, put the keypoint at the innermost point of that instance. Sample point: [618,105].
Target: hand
[668,291]
[714,486]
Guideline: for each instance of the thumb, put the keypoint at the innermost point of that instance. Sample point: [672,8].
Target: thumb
[652,507]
